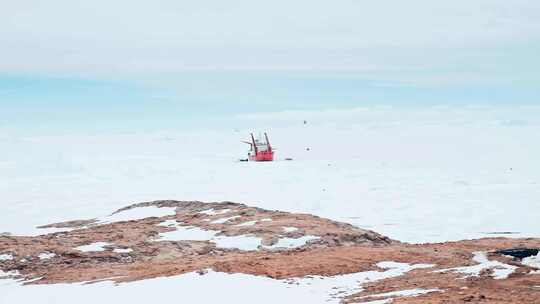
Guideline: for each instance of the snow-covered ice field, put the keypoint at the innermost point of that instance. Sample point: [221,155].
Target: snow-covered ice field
[423,175]
[418,175]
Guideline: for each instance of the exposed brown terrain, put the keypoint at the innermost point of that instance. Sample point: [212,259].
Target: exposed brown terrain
[136,250]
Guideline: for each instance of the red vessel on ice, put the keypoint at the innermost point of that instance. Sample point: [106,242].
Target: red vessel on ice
[260,150]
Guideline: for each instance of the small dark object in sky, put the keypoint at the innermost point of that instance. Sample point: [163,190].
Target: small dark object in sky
[288,158]
[305,121]
[519,253]
[307,149]
[243,159]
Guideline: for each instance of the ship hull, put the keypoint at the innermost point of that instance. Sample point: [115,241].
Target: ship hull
[262,156]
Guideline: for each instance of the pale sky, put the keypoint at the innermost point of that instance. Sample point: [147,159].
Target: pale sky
[291,54]
[121,37]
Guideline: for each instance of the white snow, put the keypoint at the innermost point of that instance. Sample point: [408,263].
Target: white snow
[46,255]
[290,229]
[433,164]
[242,242]
[533,261]
[4,274]
[445,166]
[398,171]
[379,302]
[94,247]
[192,287]
[344,285]
[214,212]
[6,257]
[224,220]
[123,250]
[402,266]
[499,270]
[168,223]
[251,223]
[403,293]
[293,243]
[183,233]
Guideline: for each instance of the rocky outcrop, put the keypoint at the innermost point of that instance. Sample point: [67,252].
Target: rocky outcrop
[165,238]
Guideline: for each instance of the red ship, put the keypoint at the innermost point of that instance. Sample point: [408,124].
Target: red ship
[260,150]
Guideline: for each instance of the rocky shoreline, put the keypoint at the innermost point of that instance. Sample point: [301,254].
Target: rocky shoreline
[167,238]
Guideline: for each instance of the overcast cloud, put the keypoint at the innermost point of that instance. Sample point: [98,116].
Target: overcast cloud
[136,38]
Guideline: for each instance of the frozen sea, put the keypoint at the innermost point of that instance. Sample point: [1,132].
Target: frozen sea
[416,175]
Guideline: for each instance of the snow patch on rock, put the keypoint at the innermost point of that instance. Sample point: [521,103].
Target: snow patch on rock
[123,250]
[191,233]
[293,243]
[401,293]
[533,261]
[251,223]
[224,220]
[194,286]
[46,255]
[184,233]
[499,270]
[168,223]
[6,257]
[290,229]
[341,286]
[242,242]
[212,211]
[94,247]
